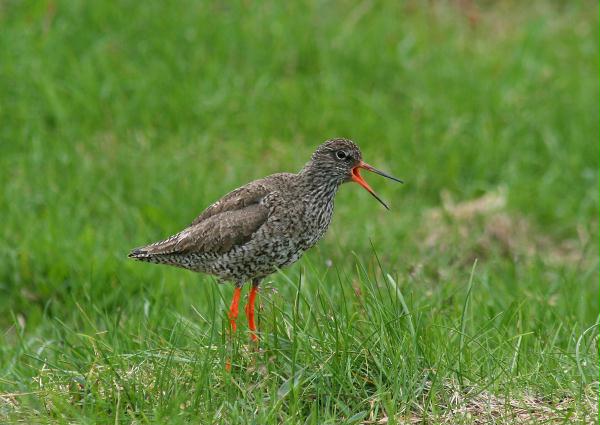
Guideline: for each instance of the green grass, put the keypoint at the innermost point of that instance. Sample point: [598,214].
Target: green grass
[121,121]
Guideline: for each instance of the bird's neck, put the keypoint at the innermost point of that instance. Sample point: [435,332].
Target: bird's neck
[318,184]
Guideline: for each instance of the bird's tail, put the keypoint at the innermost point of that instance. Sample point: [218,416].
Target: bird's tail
[139,253]
[155,250]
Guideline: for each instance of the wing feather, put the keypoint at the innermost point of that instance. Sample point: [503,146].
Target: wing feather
[229,222]
[237,199]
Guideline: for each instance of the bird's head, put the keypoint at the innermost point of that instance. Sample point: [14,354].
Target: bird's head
[341,161]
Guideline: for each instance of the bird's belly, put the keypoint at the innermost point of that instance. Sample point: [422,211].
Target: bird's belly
[275,254]
[252,260]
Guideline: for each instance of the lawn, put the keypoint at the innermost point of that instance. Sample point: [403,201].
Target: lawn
[473,300]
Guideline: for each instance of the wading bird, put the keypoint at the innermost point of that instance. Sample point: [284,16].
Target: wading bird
[264,225]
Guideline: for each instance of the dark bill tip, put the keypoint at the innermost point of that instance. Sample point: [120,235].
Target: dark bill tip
[381,173]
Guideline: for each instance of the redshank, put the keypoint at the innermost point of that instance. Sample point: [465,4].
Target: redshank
[265,225]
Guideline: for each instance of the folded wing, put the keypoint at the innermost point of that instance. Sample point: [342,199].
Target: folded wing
[229,222]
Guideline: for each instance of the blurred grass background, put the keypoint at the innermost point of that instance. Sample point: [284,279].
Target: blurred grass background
[120,121]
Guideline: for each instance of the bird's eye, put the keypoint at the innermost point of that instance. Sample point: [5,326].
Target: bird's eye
[341,155]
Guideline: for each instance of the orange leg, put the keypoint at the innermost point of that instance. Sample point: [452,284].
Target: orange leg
[250,311]
[233,314]
[233,310]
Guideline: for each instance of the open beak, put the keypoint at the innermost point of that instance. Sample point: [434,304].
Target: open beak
[356,177]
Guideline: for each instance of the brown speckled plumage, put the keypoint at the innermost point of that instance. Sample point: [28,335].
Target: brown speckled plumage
[266,224]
